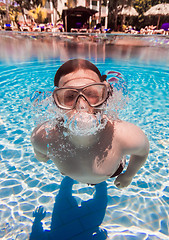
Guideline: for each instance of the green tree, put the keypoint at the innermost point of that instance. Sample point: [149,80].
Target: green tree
[38,14]
[142,6]
[71,3]
[26,4]
[55,6]
[2,11]
[13,13]
[113,11]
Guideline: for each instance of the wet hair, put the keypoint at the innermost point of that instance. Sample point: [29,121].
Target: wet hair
[74,65]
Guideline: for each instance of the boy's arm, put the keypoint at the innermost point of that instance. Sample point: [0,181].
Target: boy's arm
[136,145]
[40,156]
[39,143]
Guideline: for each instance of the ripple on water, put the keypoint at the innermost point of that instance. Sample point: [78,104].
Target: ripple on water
[45,199]
[138,212]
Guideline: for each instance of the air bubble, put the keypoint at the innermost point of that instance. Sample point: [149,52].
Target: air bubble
[43,109]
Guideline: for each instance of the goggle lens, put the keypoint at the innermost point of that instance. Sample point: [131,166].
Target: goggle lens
[66,97]
[95,94]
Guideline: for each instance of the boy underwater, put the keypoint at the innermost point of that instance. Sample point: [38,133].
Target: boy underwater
[89,158]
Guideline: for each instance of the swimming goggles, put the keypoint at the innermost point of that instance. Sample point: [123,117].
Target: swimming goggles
[95,94]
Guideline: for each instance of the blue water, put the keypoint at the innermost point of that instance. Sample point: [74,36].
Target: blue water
[139,211]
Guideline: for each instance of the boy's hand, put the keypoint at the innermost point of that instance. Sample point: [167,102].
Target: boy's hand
[39,213]
[122,181]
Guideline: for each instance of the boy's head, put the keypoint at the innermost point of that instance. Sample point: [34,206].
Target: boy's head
[80,85]
[74,65]
[80,91]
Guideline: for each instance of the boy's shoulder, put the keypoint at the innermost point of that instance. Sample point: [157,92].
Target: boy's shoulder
[128,135]
[126,126]
[44,128]
[44,133]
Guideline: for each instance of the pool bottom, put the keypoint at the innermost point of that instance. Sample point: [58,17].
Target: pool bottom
[139,211]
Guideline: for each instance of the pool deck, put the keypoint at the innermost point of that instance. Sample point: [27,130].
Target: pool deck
[117,38]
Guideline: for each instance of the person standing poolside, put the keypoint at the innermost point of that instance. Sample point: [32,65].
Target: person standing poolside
[89,158]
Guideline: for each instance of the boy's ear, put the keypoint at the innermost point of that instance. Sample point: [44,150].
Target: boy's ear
[103,78]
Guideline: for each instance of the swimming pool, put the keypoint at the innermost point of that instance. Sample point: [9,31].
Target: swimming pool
[28,63]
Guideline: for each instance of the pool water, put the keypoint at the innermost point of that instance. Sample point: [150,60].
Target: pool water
[139,211]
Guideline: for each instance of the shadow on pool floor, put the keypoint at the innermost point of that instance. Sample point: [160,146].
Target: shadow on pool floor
[70,221]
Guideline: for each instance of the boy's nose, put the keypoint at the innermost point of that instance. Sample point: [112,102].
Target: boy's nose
[82,104]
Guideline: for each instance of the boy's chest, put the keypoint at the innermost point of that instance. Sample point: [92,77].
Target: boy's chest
[97,159]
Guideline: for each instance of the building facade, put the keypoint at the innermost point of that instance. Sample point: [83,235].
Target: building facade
[67,4]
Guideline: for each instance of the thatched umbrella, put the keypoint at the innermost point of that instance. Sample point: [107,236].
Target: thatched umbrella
[126,11]
[158,10]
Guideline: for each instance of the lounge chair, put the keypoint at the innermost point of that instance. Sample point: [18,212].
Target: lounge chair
[83,30]
[74,30]
[8,27]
